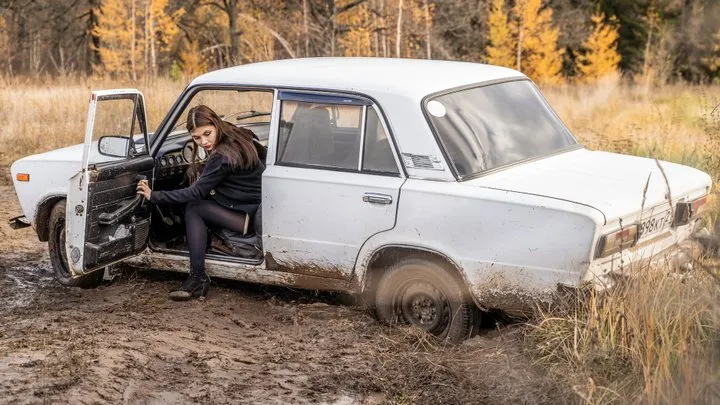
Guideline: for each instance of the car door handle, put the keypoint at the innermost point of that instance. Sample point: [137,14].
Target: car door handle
[112,218]
[376,198]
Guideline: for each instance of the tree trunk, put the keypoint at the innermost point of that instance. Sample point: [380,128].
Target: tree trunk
[132,41]
[383,30]
[153,54]
[646,56]
[93,45]
[232,13]
[428,23]
[376,37]
[332,33]
[521,29]
[398,31]
[146,49]
[306,31]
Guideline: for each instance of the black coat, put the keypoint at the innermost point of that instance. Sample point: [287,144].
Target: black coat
[238,189]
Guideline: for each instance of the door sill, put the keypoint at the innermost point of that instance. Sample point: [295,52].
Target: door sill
[211,256]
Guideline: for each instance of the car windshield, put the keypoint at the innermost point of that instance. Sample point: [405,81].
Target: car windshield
[486,127]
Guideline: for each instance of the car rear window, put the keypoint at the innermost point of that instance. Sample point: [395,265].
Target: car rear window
[487,127]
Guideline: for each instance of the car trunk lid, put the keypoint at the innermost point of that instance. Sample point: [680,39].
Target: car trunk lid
[617,185]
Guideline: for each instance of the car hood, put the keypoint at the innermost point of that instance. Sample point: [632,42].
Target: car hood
[612,183]
[68,154]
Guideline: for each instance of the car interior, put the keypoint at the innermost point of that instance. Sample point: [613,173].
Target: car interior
[249,109]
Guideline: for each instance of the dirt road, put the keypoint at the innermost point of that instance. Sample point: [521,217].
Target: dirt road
[125,342]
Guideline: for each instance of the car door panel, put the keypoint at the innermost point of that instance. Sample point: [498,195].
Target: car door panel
[320,219]
[317,213]
[105,220]
[109,192]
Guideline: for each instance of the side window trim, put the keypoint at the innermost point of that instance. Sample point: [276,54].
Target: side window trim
[274,134]
[322,98]
[363,131]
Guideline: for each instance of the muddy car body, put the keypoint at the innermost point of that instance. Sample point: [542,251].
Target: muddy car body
[435,188]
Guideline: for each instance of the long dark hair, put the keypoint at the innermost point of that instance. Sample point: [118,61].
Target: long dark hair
[234,143]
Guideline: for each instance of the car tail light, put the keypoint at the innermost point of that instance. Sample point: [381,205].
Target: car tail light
[700,206]
[617,241]
[22,177]
[685,212]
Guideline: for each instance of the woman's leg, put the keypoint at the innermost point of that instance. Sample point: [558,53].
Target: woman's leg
[198,216]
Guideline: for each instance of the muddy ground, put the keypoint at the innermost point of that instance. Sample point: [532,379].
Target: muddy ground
[125,342]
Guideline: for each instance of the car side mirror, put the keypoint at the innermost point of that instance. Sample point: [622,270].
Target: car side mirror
[114,146]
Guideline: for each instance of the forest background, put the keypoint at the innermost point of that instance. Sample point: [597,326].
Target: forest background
[550,40]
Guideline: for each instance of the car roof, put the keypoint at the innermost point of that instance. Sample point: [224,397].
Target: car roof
[414,78]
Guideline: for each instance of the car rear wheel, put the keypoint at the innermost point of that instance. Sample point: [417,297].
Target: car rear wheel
[422,293]
[58,257]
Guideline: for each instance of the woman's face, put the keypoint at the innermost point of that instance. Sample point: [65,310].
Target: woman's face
[205,136]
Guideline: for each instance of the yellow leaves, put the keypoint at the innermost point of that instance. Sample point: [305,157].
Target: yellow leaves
[257,43]
[357,40]
[164,26]
[4,40]
[128,29]
[501,51]
[374,27]
[525,40]
[117,38]
[191,59]
[713,62]
[601,57]
[537,42]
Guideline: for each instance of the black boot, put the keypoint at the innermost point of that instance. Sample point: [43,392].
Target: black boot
[194,286]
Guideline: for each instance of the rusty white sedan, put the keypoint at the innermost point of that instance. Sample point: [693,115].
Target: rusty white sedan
[434,189]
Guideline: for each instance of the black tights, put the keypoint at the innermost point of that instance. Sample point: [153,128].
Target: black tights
[198,216]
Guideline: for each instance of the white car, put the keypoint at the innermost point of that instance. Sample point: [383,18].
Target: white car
[433,188]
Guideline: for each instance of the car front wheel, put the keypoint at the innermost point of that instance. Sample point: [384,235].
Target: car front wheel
[422,293]
[58,257]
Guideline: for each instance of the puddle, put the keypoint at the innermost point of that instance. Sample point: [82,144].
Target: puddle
[21,284]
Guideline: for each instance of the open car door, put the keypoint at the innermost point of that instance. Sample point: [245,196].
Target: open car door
[107,220]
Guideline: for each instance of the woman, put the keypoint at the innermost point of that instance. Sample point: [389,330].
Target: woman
[225,194]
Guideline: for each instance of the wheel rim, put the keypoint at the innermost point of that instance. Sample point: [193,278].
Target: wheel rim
[62,253]
[421,304]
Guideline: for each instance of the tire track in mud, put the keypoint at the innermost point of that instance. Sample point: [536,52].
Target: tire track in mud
[125,342]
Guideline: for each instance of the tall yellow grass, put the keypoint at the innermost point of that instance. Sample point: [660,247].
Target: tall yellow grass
[654,338]
[46,114]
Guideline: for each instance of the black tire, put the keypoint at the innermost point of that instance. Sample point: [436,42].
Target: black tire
[421,292]
[58,257]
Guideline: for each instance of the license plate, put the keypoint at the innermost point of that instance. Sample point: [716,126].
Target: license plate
[655,224]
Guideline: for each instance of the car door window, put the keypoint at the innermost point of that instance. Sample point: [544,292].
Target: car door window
[247,108]
[116,118]
[377,152]
[330,132]
[321,135]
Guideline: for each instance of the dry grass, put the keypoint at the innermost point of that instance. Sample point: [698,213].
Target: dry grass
[652,339]
[42,115]
[655,338]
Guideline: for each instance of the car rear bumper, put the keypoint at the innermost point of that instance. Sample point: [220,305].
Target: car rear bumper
[673,250]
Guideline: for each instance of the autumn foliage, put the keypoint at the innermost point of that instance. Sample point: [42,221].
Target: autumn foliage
[526,40]
[601,57]
[549,41]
